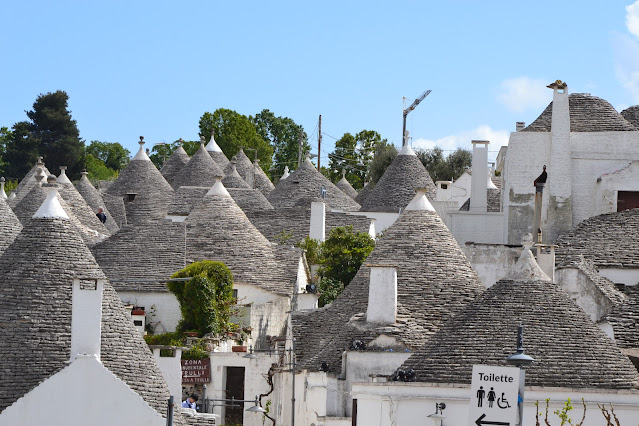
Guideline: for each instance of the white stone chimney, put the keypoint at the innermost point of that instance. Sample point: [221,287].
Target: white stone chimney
[63,178]
[86,320]
[318,221]
[479,179]
[559,183]
[519,126]
[444,190]
[2,193]
[382,294]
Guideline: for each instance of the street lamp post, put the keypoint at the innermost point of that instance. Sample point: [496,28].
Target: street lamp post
[520,359]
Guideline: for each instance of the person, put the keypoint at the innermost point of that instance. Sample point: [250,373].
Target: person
[100,214]
[190,401]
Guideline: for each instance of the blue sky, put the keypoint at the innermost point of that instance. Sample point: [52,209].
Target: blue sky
[153,68]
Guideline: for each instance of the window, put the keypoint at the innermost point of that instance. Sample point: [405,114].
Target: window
[627,200]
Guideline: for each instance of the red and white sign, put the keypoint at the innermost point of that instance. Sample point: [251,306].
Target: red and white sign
[196,370]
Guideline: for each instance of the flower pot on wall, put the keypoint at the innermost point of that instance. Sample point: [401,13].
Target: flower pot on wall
[238,348]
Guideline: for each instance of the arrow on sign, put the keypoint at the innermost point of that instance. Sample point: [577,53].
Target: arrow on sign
[480,422]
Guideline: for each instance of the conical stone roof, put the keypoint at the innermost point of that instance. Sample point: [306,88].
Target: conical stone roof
[346,187]
[95,201]
[396,187]
[250,199]
[632,115]
[217,229]
[587,114]
[201,170]
[364,193]
[36,277]
[233,178]
[10,225]
[174,164]
[253,173]
[434,282]
[569,349]
[28,206]
[216,153]
[29,181]
[79,206]
[153,193]
[115,205]
[304,185]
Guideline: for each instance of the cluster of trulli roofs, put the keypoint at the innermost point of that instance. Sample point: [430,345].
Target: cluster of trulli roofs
[451,278]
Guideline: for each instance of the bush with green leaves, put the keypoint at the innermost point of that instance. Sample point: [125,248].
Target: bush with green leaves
[343,253]
[313,249]
[206,299]
[328,290]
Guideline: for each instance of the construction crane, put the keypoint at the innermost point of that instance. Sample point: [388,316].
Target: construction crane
[409,109]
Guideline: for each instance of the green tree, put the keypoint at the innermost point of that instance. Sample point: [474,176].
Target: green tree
[367,143]
[206,299]
[112,154]
[5,136]
[161,152]
[234,130]
[97,169]
[449,168]
[56,133]
[346,157]
[343,253]
[282,134]
[21,151]
[385,153]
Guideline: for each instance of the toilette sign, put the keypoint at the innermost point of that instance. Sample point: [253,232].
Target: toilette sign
[196,370]
[494,395]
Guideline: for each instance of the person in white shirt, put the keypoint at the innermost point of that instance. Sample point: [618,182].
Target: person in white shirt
[190,402]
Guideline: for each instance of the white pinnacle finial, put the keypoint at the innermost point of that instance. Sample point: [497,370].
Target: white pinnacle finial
[212,145]
[84,174]
[420,202]
[286,173]
[343,173]
[141,155]
[63,178]
[218,188]
[406,150]
[51,207]
[2,193]
[307,158]
[526,268]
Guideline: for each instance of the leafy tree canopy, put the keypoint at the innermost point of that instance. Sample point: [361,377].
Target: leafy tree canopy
[112,154]
[283,135]
[449,168]
[206,299]
[384,155]
[346,157]
[233,130]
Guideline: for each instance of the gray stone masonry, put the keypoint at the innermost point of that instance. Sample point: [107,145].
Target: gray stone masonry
[94,200]
[174,164]
[434,282]
[201,170]
[587,114]
[10,225]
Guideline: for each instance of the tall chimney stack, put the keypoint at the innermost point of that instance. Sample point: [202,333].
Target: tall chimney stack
[86,319]
[479,178]
[519,126]
[382,295]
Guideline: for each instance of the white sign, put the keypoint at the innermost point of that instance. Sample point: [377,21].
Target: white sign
[494,395]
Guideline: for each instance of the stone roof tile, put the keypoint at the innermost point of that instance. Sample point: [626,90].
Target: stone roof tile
[201,170]
[569,349]
[10,225]
[253,172]
[36,276]
[587,114]
[396,188]
[95,201]
[434,281]
[304,185]
[174,164]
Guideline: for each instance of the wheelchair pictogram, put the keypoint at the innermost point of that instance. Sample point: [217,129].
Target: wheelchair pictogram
[503,402]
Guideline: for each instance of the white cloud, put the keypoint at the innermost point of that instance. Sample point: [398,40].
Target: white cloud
[632,18]
[626,52]
[522,93]
[497,138]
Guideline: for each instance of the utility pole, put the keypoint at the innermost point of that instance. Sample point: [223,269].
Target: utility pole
[299,151]
[319,143]
[409,109]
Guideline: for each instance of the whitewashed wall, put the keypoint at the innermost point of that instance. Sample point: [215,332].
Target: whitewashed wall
[492,262]
[407,404]
[477,227]
[584,292]
[167,308]
[171,368]
[622,276]
[254,381]
[71,398]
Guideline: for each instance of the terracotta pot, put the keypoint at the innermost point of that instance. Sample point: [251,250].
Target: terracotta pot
[191,333]
[238,348]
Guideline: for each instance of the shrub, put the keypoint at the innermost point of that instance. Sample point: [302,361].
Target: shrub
[343,253]
[206,299]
